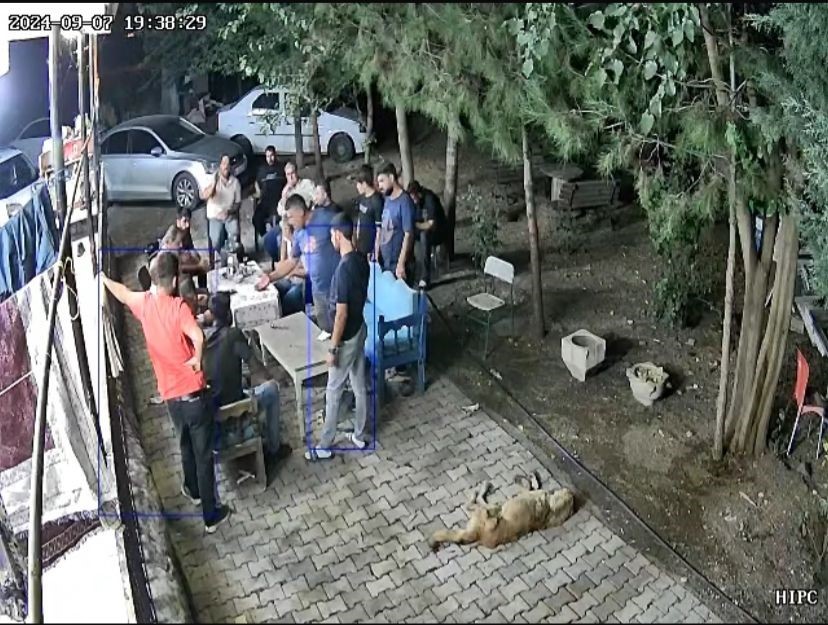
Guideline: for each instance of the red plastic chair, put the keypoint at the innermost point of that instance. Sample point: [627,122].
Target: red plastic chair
[803,372]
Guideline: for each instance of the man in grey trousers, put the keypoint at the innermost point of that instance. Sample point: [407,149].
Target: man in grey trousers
[346,356]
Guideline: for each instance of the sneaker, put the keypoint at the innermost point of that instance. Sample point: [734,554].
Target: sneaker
[186,492]
[318,454]
[358,443]
[223,513]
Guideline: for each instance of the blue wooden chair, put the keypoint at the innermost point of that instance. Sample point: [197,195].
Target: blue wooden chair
[398,343]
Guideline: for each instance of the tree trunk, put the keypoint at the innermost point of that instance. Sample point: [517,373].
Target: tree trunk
[450,189]
[534,247]
[724,370]
[369,125]
[317,148]
[406,161]
[299,146]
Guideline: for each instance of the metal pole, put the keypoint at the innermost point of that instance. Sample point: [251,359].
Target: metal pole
[35,589]
[87,190]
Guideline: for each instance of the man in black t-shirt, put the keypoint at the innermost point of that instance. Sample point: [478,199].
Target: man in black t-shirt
[369,212]
[270,180]
[346,356]
[430,222]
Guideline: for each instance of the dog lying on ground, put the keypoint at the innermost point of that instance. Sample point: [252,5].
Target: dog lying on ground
[496,524]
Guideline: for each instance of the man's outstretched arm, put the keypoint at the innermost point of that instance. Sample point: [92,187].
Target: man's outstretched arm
[121,292]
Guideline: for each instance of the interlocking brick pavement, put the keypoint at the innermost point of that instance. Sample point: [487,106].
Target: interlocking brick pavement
[344,541]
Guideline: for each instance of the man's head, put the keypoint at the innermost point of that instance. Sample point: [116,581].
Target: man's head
[387,179]
[322,193]
[224,166]
[342,232]
[364,179]
[184,218]
[164,272]
[173,239]
[220,309]
[296,210]
[415,190]
[187,292]
[270,155]
[291,174]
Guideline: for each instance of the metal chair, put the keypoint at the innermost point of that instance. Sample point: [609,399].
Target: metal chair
[803,372]
[484,305]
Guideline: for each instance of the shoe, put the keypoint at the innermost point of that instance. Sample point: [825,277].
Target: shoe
[358,443]
[222,513]
[186,492]
[313,455]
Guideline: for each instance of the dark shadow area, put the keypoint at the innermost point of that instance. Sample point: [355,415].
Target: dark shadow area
[617,349]
[675,382]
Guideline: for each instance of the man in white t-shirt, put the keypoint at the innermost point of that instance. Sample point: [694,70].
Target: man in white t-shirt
[223,202]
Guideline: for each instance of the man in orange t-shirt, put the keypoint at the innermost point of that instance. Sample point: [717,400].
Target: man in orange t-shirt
[175,343]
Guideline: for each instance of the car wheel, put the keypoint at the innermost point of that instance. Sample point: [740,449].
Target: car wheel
[244,143]
[341,148]
[185,191]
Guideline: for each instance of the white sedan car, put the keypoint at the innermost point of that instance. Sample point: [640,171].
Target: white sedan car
[260,119]
[31,138]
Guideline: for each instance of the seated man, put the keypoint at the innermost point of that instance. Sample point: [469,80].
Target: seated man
[291,288]
[190,261]
[430,225]
[224,351]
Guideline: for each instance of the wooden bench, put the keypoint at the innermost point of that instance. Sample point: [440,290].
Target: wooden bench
[588,194]
[578,197]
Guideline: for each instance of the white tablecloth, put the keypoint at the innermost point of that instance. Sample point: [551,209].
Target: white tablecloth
[250,307]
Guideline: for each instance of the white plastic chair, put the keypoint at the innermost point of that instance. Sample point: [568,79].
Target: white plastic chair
[485,304]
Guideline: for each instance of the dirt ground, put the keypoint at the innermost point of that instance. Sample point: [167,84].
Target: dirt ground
[739,523]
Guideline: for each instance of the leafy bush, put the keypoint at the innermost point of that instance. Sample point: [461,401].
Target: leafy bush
[485,215]
[678,223]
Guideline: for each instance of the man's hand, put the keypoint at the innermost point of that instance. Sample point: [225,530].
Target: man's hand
[195,363]
[263,283]
[400,273]
[330,359]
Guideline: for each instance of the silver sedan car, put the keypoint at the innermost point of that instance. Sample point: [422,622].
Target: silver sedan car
[164,157]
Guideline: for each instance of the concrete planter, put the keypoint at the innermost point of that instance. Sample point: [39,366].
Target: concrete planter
[647,382]
[582,351]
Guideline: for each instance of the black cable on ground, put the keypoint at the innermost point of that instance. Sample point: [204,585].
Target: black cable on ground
[661,541]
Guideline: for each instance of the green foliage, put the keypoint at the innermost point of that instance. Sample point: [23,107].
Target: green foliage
[678,220]
[801,97]
[485,217]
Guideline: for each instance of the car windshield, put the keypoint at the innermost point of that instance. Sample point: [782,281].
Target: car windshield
[176,134]
[15,174]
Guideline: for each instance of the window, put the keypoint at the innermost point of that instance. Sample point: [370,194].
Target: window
[177,133]
[36,130]
[142,142]
[115,144]
[267,102]
[15,174]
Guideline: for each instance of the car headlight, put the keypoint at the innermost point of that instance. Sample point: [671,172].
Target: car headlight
[211,167]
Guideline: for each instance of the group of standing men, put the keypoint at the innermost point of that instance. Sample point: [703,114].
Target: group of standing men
[319,247]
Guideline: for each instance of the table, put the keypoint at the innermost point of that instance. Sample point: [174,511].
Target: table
[560,174]
[250,308]
[293,342]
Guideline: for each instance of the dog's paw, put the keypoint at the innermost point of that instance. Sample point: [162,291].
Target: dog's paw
[534,481]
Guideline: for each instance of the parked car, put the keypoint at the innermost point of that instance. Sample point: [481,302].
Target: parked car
[261,118]
[31,138]
[164,157]
[17,179]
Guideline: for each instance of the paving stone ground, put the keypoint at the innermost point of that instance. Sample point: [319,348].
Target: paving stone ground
[345,540]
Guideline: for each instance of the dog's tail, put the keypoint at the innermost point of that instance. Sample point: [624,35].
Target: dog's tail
[460,537]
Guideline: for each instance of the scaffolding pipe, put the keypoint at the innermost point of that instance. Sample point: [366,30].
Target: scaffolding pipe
[87,185]
[35,562]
